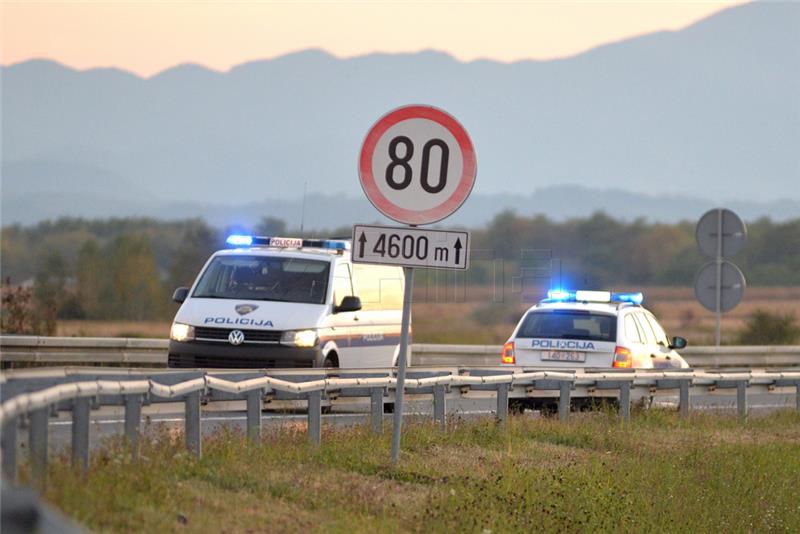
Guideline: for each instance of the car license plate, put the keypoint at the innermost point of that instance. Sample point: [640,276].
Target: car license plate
[563,356]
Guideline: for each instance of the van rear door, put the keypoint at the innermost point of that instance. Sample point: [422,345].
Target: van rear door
[566,338]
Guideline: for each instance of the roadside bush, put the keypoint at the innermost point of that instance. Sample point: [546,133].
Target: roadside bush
[767,328]
[19,315]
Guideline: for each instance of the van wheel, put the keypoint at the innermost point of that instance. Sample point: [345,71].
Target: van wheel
[331,361]
[516,406]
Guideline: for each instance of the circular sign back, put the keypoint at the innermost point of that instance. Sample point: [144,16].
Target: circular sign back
[732,286]
[733,231]
[417,165]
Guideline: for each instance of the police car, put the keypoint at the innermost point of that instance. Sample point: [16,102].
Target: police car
[592,329]
[288,302]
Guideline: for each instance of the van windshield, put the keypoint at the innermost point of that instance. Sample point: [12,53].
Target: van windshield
[569,324]
[264,278]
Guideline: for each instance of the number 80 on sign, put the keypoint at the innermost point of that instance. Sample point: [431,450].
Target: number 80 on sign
[417,165]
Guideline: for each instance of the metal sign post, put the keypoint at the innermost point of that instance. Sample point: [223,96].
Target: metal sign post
[719,284]
[402,362]
[417,166]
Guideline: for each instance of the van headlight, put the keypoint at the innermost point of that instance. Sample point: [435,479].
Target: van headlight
[300,338]
[181,332]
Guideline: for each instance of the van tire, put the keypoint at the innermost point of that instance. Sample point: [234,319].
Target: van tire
[331,360]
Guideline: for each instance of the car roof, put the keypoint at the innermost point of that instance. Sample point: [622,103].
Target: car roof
[301,253]
[602,307]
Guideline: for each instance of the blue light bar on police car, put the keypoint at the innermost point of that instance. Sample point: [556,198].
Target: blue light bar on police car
[634,298]
[593,296]
[239,240]
[286,242]
[561,295]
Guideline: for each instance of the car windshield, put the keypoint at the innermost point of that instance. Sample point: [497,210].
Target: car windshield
[265,278]
[569,324]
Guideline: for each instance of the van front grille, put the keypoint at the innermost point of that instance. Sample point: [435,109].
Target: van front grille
[203,333]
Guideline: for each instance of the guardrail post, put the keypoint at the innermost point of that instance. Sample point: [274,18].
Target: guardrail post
[797,395]
[625,400]
[133,421]
[439,406]
[192,427]
[502,402]
[741,398]
[8,441]
[80,433]
[254,415]
[315,417]
[564,390]
[376,409]
[37,441]
[684,403]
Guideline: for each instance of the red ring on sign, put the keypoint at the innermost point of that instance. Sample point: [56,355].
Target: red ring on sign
[448,206]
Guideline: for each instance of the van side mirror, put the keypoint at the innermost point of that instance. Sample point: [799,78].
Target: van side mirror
[180,294]
[349,304]
[678,343]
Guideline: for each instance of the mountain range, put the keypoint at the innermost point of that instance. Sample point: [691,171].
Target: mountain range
[663,126]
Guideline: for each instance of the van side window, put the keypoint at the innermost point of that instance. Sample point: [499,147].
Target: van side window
[631,332]
[342,283]
[379,287]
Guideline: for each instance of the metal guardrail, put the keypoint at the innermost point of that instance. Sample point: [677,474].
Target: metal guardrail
[121,351]
[773,356]
[65,350]
[35,395]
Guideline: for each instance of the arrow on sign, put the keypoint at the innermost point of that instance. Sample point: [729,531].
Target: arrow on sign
[457,246]
[361,241]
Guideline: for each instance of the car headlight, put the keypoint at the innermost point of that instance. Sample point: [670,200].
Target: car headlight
[300,338]
[181,332]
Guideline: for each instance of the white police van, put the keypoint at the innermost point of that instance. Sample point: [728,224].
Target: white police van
[592,329]
[288,302]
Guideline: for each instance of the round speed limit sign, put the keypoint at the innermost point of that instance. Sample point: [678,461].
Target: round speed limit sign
[417,165]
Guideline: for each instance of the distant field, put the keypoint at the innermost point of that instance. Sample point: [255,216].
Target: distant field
[710,473]
[478,315]
[485,317]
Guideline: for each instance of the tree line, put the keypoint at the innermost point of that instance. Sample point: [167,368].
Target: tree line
[127,268]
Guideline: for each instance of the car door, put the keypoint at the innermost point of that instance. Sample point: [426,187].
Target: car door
[670,357]
[375,338]
[652,348]
[338,327]
[636,342]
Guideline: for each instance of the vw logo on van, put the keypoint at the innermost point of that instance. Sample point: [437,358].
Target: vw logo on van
[236,337]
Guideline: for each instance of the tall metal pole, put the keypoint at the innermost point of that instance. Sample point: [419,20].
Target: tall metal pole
[719,276]
[401,364]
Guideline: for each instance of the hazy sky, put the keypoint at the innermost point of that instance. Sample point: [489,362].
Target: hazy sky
[149,36]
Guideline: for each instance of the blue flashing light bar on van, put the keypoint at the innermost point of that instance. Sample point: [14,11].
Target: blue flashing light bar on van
[560,295]
[242,241]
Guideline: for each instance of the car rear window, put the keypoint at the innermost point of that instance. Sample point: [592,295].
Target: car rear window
[569,324]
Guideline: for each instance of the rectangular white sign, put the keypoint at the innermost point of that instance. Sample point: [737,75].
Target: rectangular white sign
[410,247]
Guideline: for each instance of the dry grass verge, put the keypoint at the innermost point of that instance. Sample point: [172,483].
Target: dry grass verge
[657,473]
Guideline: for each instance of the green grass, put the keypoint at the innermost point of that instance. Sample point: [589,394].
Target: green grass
[655,474]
